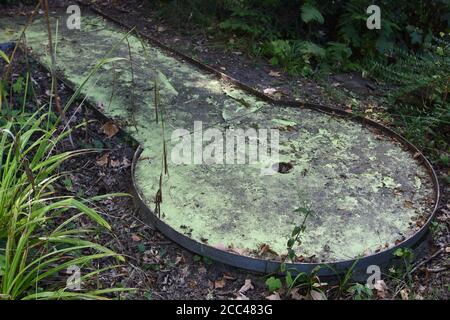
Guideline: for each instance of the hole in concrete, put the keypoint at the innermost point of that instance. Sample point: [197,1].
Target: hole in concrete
[282,167]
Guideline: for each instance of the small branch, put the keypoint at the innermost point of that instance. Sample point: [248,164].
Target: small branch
[59,109]
[434,255]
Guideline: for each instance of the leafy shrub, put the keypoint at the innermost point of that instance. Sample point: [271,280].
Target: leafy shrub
[40,236]
[420,93]
[38,233]
[282,27]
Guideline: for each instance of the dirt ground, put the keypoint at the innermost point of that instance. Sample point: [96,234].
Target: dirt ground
[160,269]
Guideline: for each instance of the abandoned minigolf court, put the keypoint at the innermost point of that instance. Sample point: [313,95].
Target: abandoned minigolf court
[369,191]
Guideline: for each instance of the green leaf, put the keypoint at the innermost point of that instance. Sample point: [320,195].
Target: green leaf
[273,284]
[312,49]
[289,279]
[301,210]
[18,85]
[2,264]
[310,13]
[4,56]
[274,61]
[296,231]
[290,243]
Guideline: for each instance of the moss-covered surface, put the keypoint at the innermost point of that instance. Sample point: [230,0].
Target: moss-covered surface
[365,190]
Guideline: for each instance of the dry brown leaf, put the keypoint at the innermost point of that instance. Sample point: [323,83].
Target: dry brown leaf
[110,129]
[274,73]
[220,246]
[135,237]
[247,286]
[404,294]
[228,276]
[126,163]
[381,288]
[239,251]
[265,248]
[179,259]
[317,295]
[161,29]
[241,296]
[219,284]
[103,160]
[408,204]
[115,163]
[295,295]
[275,296]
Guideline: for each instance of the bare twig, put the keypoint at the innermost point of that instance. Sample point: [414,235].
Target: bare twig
[59,109]
[434,255]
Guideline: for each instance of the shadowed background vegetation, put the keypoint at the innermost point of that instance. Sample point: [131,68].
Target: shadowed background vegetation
[409,54]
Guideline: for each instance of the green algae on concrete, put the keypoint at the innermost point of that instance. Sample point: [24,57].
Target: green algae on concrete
[365,190]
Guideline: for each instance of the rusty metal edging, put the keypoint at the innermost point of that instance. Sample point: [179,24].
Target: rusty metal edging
[262,265]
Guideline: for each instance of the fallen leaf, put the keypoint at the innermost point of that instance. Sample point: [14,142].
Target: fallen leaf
[135,237]
[241,296]
[126,163]
[270,91]
[219,284]
[319,284]
[408,204]
[110,129]
[247,286]
[228,276]
[317,295]
[404,294]
[220,246]
[295,295]
[115,163]
[239,251]
[103,160]
[179,259]
[161,29]
[381,288]
[274,296]
[274,74]
[265,248]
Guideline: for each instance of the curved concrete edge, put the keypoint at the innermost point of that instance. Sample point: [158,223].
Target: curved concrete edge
[331,270]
